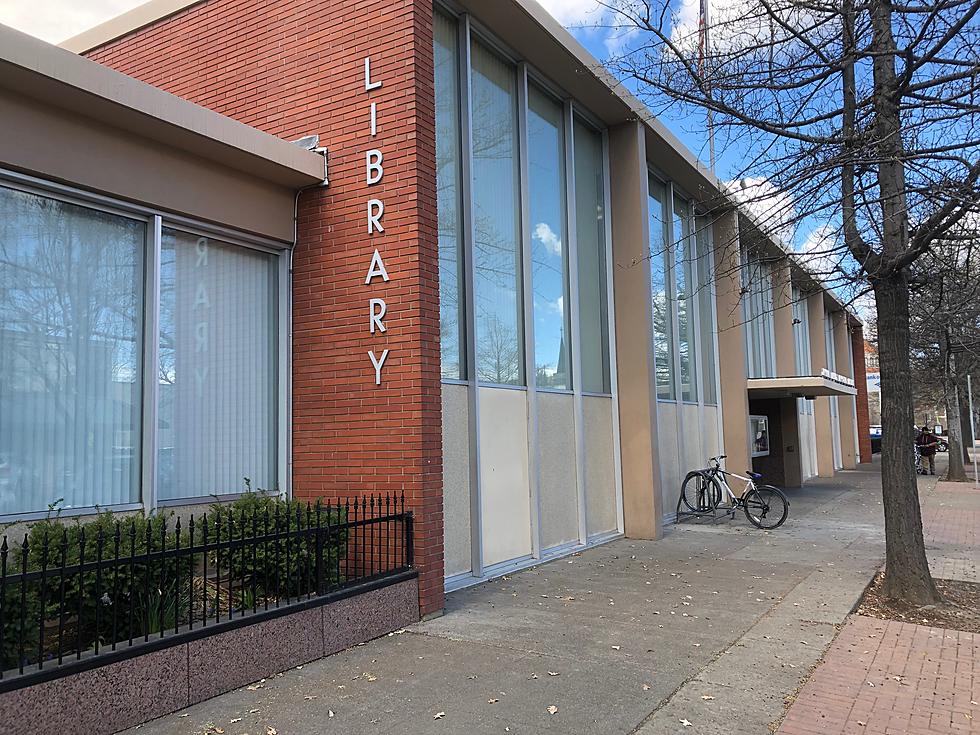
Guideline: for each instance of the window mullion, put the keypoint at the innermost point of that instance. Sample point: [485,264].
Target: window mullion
[151,364]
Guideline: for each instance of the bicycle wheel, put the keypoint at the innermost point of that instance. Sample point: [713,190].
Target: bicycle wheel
[766,507]
[700,493]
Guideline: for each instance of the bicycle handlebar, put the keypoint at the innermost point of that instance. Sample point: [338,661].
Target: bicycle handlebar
[717,460]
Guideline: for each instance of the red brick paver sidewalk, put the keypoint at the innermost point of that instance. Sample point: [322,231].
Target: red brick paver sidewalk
[887,677]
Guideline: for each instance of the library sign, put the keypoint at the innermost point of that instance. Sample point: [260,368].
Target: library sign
[374,172]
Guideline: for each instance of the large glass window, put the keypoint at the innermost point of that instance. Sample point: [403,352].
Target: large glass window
[706,310]
[760,355]
[451,321]
[590,242]
[496,208]
[661,293]
[216,421]
[71,312]
[685,284]
[801,332]
[546,200]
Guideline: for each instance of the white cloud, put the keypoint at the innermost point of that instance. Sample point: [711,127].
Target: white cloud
[547,237]
[56,20]
[772,208]
[574,12]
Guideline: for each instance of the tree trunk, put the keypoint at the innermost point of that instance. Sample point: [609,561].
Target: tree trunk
[957,470]
[907,576]
[906,568]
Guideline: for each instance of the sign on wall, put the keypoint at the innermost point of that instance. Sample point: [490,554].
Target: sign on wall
[373,173]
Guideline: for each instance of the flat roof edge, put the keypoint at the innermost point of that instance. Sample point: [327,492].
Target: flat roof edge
[62,79]
[124,24]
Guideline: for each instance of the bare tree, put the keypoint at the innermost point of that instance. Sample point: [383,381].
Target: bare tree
[862,115]
[946,330]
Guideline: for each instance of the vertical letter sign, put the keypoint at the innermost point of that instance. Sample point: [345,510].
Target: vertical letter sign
[373,173]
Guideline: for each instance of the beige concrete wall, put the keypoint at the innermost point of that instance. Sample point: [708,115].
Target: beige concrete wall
[557,468]
[846,414]
[505,491]
[456,478]
[90,154]
[731,342]
[782,319]
[823,433]
[600,471]
[634,332]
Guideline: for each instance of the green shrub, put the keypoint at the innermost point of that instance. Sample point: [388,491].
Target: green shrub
[136,592]
[283,566]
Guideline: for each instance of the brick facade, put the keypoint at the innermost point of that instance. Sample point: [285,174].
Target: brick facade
[294,68]
[861,383]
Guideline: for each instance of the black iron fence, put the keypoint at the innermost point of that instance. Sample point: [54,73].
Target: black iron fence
[74,596]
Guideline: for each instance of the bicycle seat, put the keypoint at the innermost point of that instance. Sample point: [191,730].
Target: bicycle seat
[753,475]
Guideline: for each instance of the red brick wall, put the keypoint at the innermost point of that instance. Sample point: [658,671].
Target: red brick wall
[294,68]
[861,383]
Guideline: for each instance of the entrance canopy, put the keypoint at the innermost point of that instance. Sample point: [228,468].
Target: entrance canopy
[802,386]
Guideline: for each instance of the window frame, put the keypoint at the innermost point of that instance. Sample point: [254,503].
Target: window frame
[156,219]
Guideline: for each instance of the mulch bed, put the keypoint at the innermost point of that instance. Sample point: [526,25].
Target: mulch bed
[960,609]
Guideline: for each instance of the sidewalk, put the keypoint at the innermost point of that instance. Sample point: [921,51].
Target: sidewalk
[713,625]
[892,677]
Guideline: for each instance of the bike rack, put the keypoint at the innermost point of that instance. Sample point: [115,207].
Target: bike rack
[711,514]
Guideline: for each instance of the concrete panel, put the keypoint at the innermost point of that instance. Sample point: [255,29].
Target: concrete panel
[823,434]
[600,473]
[456,478]
[710,432]
[692,454]
[95,156]
[363,617]
[102,700]
[505,495]
[670,471]
[556,468]
[634,331]
[731,341]
[253,652]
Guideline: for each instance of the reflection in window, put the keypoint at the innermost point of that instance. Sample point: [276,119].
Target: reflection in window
[496,207]
[760,355]
[451,322]
[661,293]
[590,242]
[706,309]
[70,354]
[216,421]
[546,199]
[685,284]
[759,435]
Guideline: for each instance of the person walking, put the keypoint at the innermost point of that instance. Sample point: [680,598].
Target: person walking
[928,443]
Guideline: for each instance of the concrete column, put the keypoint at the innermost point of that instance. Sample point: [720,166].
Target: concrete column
[821,408]
[782,320]
[731,342]
[846,412]
[861,383]
[642,506]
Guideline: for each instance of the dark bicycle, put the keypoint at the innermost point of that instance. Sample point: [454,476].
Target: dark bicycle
[705,490]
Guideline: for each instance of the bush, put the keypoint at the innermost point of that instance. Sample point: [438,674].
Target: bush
[284,566]
[139,593]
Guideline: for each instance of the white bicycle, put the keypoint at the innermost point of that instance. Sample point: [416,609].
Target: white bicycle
[704,490]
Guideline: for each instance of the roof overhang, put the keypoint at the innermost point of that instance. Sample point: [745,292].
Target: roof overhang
[56,77]
[801,386]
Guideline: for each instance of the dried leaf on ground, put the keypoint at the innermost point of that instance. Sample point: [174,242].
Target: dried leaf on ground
[552,709]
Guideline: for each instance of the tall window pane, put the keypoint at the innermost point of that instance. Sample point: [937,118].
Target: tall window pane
[590,240]
[706,309]
[546,195]
[71,312]
[663,321]
[685,284]
[496,208]
[760,353]
[216,422]
[451,321]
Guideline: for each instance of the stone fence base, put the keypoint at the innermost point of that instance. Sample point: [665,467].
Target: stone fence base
[149,685]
